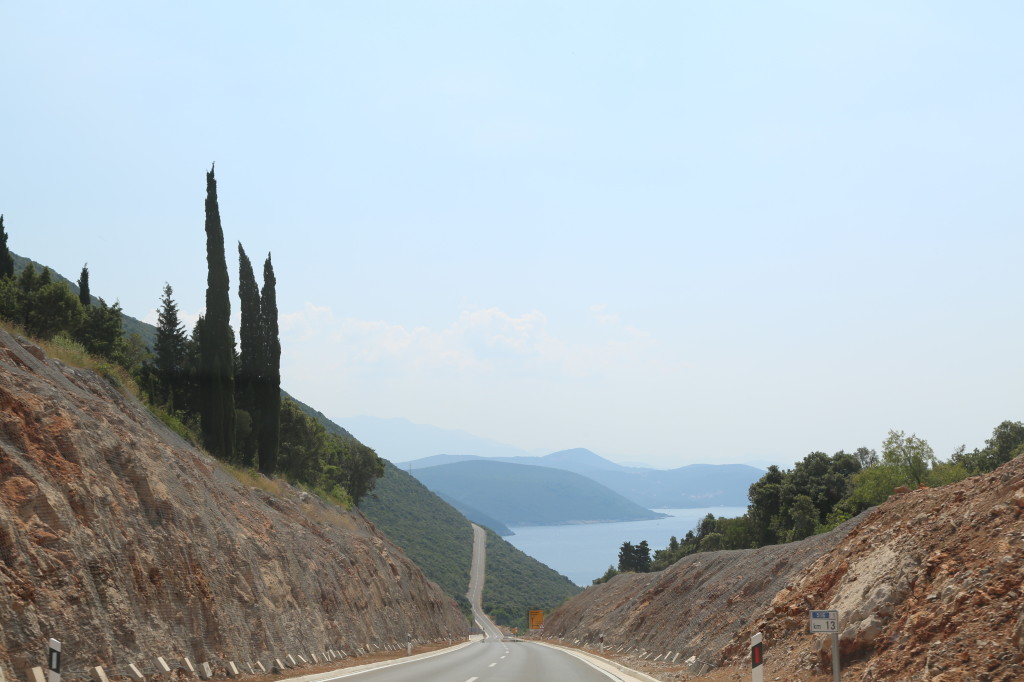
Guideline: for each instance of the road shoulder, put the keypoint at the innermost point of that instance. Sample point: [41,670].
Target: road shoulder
[617,670]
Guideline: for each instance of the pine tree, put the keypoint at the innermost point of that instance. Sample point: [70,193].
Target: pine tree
[217,354]
[269,388]
[83,287]
[6,259]
[170,353]
[251,362]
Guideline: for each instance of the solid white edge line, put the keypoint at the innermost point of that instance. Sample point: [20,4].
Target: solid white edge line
[586,659]
[421,657]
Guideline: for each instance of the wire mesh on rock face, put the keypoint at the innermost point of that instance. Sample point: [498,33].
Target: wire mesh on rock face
[125,543]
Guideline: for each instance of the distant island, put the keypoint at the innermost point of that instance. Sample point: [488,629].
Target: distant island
[522,495]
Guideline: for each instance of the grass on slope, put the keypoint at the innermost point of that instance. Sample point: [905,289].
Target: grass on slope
[517,583]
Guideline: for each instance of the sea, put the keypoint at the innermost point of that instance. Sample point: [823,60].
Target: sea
[583,552]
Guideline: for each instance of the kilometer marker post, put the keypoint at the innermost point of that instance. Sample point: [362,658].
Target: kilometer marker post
[828,621]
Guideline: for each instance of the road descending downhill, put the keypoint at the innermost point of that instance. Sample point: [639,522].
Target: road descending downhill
[490,659]
[476,585]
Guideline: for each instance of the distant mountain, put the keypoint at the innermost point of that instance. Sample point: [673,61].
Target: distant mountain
[579,458]
[520,495]
[694,485]
[401,440]
[437,460]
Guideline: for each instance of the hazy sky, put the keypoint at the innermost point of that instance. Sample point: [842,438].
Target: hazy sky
[666,231]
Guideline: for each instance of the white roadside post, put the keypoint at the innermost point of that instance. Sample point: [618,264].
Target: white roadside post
[756,658]
[53,662]
[828,622]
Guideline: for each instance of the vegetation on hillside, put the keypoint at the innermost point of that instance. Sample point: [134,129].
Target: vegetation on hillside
[202,386]
[820,492]
[517,584]
[431,532]
[440,540]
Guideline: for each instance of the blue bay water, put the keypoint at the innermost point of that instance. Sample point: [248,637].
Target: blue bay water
[585,551]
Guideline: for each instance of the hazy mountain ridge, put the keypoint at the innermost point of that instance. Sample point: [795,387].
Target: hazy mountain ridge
[404,440]
[520,495]
[693,485]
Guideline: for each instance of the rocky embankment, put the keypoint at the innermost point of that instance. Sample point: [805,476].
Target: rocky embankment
[125,543]
[928,587]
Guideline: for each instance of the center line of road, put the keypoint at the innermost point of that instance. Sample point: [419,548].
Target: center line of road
[473,679]
[492,665]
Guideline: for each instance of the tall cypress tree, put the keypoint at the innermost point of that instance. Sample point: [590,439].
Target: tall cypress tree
[217,352]
[6,259]
[269,392]
[83,286]
[250,358]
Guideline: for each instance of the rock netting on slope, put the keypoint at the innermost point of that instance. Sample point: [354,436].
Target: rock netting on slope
[691,608]
[928,585]
[123,541]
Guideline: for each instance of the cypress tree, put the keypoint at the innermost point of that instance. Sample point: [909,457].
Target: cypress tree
[269,392]
[250,359]
[217,352]
[83,286]
[6,259]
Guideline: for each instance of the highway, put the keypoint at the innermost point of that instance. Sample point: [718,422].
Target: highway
[477,571]
[487,660]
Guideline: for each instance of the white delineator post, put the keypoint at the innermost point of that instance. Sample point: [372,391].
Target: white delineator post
[756,658]
[53,662]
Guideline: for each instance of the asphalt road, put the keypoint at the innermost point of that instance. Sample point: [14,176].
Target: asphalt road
[488,660]
[477,571]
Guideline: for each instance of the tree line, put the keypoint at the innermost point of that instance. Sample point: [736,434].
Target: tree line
[222,394]
[822,491]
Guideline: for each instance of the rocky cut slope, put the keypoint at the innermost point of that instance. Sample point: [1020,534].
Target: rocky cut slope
[928,585]
[124,542]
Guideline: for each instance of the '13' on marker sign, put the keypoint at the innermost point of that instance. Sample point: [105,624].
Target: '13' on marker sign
[824,621]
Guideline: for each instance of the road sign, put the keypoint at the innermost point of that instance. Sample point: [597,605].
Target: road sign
[824,621]
[536,620]
[828,622]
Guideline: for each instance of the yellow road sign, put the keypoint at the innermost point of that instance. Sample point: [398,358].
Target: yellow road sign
[536,620]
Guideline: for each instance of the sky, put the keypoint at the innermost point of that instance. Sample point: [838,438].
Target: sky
[669,232]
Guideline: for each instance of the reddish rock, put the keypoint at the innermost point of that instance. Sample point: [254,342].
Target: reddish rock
[123,541]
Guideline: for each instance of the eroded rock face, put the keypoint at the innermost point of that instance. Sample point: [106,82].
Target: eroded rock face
[694,607]
[124,542]
[928,585]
